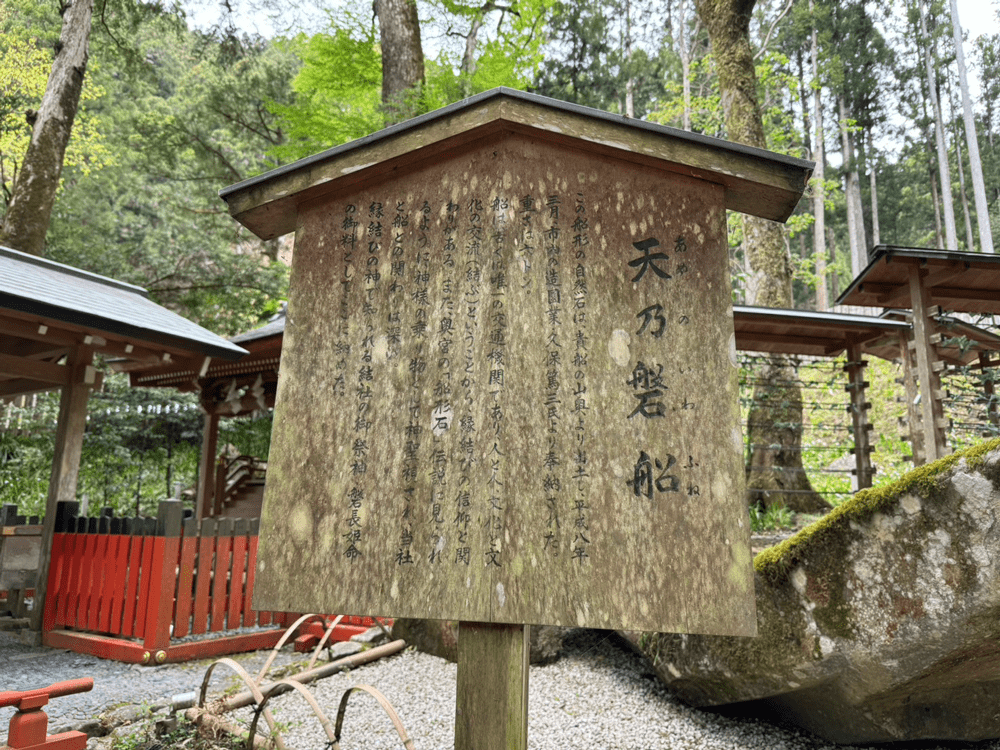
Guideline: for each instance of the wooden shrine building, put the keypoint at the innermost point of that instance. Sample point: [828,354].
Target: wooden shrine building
[928,282]
[58,324]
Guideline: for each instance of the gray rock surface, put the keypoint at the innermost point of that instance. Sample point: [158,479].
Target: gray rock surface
[878,623]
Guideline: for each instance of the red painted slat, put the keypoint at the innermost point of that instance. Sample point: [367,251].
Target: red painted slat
[55,593]
[132,584]
[145,580]
[76,580]
[185,582]
[62,613]
[249,614]
[223,554]
[119,576]
[162,585]
[203,590]
[236,582]
[89,569]
[98,565]
[108,589]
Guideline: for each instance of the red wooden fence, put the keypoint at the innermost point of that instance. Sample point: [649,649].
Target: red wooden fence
[129,588]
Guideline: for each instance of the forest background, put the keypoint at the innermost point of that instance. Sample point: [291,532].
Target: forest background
[180,100]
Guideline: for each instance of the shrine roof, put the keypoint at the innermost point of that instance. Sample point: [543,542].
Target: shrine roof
[756,181]
[957,282]
[960,342]
[808,333]
[47,308]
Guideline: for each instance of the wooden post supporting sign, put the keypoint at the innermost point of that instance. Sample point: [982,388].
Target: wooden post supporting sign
[491,711]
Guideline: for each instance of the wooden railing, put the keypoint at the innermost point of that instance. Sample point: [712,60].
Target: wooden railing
[129,588]
[231,475]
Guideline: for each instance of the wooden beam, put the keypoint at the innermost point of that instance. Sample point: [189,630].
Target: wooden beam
[940,293]
[206,465]
[24,387]
[929,379]
[32,369]
[943,275]
[746,339]
[912,391]
[859,417]
[65,462]
[37,331]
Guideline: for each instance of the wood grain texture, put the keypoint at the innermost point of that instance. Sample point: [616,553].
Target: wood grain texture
[509,394]
[491,707]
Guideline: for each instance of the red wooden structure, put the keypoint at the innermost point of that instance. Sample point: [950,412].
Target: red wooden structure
[29,726]
[129,588]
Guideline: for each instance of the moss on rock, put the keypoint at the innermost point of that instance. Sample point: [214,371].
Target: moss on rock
[775,562]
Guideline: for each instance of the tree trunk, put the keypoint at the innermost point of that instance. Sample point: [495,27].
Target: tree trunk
[34,193]
[819,177]
[872,169]
[852,193]
[936,200]
[951,235]
[684,51]
[728,24]
[629,74]
[970,245]
[402,58]
[975,162]
[469,57]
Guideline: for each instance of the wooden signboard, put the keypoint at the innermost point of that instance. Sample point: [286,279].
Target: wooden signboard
[508,386]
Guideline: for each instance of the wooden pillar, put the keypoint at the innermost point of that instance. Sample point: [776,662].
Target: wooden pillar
[855,369]
[912,391]
[65,462]
[491,707]
[928,369]
[206,465]
[992,416]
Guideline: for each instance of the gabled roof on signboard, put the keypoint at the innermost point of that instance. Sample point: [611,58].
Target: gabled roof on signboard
[37,289]
[756,181]
[958,282]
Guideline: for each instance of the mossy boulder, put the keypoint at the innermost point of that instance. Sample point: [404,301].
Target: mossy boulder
[880,622]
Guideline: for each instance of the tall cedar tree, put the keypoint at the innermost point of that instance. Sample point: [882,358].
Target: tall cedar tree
[776,476]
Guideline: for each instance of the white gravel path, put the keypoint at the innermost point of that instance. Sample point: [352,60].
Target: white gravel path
[598,695]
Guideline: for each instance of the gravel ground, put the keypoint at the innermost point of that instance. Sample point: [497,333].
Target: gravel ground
[28,667]
[599,694]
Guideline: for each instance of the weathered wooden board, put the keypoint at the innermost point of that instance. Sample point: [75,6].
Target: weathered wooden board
[509,394]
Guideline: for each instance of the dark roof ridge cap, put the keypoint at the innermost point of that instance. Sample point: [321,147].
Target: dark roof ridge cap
[71,271]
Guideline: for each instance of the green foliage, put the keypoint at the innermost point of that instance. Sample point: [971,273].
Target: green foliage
[192,119]
[139,444]
[586,60]
[775,518]
[338,90]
